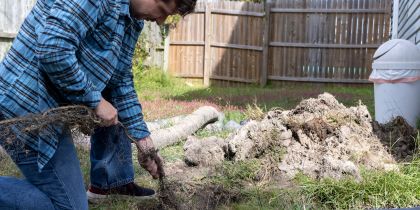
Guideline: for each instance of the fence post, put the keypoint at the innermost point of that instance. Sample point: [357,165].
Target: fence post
[166,53]
[266,43]
[207,47]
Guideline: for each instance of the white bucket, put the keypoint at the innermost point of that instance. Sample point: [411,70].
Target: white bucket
[396,74]
[397,99]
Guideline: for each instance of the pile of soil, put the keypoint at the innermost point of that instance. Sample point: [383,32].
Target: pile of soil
[188,187]
[319,138]
[399,138]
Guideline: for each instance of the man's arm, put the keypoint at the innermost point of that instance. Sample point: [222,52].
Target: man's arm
[125,100]
[66,25]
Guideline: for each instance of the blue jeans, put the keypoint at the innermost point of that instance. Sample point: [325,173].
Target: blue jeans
[60,183]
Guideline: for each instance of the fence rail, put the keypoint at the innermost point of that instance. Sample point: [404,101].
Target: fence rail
[345,11]
[7,35]
[299,40]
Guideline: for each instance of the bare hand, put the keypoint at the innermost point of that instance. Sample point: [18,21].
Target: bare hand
[107,113]
[149,159]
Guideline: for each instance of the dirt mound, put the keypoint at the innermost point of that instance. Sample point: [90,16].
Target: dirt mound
[399,138]
[204,152]
[192,187]
[320,137]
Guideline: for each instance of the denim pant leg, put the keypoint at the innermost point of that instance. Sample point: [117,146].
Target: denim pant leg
[18,194]
[111,158]
[60,180]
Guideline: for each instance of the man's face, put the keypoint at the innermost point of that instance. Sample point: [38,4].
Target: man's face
[152,10]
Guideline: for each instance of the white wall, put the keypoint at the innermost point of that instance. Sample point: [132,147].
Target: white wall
[12,14]
[409,20]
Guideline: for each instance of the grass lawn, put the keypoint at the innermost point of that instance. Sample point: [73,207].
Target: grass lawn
[175,96]
[163,96]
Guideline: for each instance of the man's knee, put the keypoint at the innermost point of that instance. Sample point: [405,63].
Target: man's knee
[61,178]
[20,194]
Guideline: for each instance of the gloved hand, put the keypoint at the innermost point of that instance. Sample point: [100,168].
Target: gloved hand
[149,159]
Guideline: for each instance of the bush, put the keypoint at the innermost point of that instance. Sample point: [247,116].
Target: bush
[153,78]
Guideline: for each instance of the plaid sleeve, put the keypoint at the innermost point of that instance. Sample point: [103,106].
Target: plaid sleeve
[125,100]
[66,25]
[123,94]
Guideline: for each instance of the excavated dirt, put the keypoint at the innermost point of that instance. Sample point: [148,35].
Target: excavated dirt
[319,138]
[205,152]
[187,187]
[399,138]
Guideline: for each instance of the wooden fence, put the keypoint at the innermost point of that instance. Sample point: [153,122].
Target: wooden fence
[284,40]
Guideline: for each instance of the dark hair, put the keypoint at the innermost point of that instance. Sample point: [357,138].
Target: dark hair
[185,7]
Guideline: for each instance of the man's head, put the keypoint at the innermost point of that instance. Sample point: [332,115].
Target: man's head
[159,10]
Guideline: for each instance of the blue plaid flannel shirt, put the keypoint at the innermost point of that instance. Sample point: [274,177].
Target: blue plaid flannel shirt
[72,52]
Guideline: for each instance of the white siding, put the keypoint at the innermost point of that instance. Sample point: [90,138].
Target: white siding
[409,20]
[12,14]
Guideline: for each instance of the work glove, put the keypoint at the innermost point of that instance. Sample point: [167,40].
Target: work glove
[149,158]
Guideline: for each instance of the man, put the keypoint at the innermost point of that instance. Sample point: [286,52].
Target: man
[78,52]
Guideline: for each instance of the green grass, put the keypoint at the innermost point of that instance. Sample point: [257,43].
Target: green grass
[84,158]
[243,178]
[204,133]
[234,115]
[232,174]
[153,84]
[376,190]
[173,153]
[7,167]
[115,204]
[272,199]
